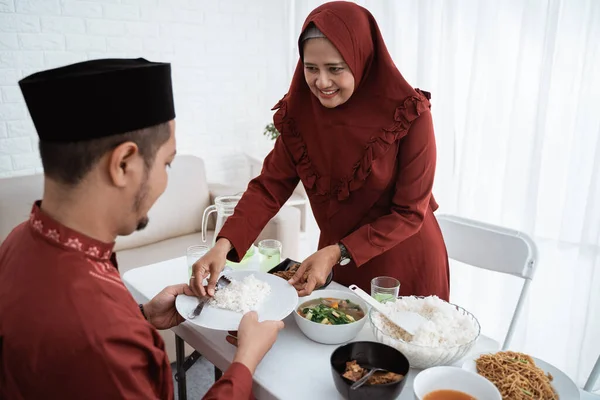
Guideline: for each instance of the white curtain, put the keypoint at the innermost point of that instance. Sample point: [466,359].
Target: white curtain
[516,103]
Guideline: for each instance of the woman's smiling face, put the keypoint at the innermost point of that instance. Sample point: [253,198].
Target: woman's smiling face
[326,73]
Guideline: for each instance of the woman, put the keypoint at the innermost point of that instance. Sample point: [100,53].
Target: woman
[361,140]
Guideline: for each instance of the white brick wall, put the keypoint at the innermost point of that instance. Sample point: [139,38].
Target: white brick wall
[229,58]
[63,24]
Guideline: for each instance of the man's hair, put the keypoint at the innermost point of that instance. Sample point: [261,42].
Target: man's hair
[69,163]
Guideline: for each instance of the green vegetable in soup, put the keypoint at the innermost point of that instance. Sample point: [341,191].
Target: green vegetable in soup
[329,311]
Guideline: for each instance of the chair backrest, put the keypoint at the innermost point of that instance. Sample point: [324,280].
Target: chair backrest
[488,246]
[594,375]
[493,248]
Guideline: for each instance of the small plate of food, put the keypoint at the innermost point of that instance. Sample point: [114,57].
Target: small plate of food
[287,269]
[270,297]
[520,376]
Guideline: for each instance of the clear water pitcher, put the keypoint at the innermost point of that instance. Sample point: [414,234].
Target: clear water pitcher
[224,207]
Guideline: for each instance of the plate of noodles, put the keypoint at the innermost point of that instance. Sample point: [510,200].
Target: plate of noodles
[519,376]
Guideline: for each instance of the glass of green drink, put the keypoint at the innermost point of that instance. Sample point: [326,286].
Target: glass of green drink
[385,288]
[270,254]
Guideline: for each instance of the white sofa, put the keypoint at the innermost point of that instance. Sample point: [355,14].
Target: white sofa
[175,219]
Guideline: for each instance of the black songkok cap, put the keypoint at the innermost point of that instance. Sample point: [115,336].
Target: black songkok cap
[98,98]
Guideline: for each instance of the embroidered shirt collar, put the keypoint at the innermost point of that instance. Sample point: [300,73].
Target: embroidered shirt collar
[67,238]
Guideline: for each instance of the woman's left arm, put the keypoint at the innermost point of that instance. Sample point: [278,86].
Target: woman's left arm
[416,170]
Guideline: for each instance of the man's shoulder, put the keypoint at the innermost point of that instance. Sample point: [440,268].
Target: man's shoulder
[19,246]
[27,256]
[99,294]
[75,288]
[17,234]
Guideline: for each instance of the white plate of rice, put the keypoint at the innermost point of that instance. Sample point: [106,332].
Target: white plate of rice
[270,296]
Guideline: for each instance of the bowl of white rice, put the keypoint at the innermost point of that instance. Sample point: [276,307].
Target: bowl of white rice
[448,336]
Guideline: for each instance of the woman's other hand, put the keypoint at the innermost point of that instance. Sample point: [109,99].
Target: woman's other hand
[313,272]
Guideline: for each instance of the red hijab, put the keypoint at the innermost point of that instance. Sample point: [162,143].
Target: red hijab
[334,148]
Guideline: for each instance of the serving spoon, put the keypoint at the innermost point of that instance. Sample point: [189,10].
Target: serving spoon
[365,378]
[407,320]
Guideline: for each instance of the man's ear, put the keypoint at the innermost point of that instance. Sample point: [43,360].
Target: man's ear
[121,163]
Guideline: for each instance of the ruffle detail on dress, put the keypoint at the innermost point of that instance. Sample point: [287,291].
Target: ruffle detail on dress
[375,148]
[378,146]
[287,128]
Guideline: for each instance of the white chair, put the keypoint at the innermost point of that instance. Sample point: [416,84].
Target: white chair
[493,248]
[589,385]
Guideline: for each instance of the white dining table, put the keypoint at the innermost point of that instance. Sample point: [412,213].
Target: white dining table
[293,360]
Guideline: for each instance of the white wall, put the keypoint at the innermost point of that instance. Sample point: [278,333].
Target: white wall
[229,60]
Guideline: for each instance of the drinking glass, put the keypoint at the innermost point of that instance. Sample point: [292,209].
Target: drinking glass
[269,251]
[194,253]
[385,288]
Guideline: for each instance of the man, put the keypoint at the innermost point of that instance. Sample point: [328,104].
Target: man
[68,326]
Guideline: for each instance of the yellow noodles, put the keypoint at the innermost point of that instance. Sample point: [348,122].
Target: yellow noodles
[516,376]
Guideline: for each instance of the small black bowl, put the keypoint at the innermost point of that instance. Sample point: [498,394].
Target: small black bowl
[287,263]
[374,354]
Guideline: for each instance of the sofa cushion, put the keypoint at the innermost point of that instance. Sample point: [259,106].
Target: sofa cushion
[178,211]
[157,252]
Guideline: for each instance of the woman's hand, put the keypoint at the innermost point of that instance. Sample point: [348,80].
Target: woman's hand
[313,272]
[212,263]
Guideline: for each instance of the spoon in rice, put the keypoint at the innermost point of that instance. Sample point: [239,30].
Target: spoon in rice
[221,283]
[406,320]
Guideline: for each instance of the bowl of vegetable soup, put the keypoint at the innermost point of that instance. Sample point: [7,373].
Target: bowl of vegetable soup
[331,316]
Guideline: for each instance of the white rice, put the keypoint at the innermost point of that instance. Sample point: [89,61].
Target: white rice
[446,326]
[242,296]
[444,337]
